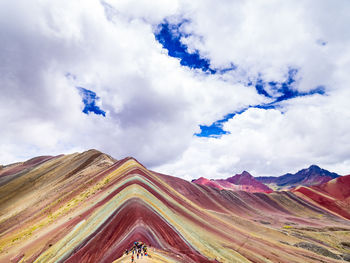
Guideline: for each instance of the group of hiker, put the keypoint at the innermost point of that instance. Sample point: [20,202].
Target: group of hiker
[139,250]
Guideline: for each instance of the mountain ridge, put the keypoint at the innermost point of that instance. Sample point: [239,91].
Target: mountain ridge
[89,208]
[312,175]
[333,195]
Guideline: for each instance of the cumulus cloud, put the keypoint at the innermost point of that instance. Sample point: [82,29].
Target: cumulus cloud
[153,105]
[266,39]
[273,143]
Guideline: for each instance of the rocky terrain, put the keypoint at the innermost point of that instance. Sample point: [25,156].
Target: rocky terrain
[89,207]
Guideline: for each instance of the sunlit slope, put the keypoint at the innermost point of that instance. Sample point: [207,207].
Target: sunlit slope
[89,208]
[333,195]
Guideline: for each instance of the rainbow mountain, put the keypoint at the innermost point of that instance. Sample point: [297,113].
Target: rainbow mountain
[89,207]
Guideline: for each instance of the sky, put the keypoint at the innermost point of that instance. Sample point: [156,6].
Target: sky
[189,88]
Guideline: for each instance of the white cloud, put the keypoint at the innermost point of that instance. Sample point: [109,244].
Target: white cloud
[313,130]
[270,37]
[153,104]
[151,11]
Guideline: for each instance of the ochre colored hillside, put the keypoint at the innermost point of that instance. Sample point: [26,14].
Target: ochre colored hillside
[89,207]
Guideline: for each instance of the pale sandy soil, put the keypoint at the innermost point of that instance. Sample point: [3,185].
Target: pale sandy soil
[155,257]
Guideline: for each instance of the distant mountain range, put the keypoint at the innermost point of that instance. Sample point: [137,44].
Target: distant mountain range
[313,175]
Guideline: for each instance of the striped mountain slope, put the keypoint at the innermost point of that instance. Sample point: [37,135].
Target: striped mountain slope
[89,207]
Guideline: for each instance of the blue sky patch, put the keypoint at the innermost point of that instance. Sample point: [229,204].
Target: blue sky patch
[215,130]
[89,99]
[284,91]
[169,35]
[281,91]
[260,88]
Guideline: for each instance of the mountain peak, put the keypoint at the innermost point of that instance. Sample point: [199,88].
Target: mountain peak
[245,174]
[314,166]
[314,170]
[201,179]
[246,179]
